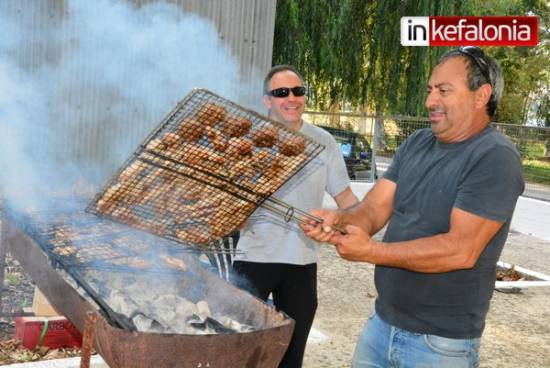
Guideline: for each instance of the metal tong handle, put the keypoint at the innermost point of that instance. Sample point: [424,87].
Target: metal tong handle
[290,213]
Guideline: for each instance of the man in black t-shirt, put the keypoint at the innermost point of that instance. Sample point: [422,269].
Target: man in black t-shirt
[448,199]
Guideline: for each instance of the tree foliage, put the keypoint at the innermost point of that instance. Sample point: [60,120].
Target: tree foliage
[350,53]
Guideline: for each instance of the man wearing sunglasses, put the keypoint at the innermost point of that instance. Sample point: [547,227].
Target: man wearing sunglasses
[276,257]
[447,199]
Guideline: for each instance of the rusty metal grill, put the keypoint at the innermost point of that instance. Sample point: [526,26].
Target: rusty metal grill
[77,242]
[203,170]
[99,263]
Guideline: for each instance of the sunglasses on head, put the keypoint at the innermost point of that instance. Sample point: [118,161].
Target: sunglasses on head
[285,91]
[476,54]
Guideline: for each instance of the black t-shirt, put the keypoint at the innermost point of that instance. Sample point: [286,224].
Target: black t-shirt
[483,176]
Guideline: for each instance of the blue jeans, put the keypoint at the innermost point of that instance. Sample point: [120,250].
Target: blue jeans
[383,345]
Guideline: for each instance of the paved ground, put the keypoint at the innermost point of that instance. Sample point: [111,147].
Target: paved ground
[517,333]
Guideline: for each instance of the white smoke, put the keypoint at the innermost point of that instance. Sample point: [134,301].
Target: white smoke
[107,63]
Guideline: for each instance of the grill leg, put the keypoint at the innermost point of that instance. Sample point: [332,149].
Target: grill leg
[3,249]
[88,339]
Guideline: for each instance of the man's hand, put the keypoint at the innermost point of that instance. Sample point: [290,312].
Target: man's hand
[322,232]
[356,245]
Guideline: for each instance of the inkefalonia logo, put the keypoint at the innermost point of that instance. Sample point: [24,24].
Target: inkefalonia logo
[475,31]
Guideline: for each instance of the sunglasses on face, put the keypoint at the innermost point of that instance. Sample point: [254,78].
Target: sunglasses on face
[476,54]
[285,91]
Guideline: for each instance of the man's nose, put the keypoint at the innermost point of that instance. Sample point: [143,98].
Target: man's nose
[430,99]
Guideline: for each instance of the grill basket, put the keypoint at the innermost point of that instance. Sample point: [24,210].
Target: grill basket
[202,172]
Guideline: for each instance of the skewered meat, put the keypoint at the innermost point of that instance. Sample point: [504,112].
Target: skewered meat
[236,126]
[211,113]
[266,136]
[292,146]
[191,130]
[216,138]
[238,148]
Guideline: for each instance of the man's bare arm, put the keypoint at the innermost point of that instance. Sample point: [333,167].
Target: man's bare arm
[346,198]
[457,249]
[374,211]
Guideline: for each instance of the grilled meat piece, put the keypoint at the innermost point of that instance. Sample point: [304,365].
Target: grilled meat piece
[191,130]
[265,136]
[292,146]
[236,126]
[237,148]
[173,262]
[211,113]
[219,142]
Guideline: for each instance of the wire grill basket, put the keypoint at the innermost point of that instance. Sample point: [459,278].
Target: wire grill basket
[202,172]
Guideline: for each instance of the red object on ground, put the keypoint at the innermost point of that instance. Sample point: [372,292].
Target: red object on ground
[53,332]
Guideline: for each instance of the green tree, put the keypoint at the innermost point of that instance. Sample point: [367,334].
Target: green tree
[526,70]
[350,52]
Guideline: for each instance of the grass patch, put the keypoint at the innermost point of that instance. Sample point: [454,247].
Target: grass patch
[11,279]
[536,171]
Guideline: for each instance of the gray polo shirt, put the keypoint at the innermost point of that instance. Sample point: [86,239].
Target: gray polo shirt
[267,238]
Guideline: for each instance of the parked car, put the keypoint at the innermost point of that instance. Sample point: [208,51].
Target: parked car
[356,150]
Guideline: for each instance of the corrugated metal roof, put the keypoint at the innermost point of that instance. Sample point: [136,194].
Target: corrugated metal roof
[102,94]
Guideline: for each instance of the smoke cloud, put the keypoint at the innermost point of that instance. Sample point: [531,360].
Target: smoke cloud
[106,74]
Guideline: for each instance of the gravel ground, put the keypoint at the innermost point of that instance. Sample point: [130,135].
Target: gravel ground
[517,332]
[17,294]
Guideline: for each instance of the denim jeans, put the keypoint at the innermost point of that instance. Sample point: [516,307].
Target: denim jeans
[383,345]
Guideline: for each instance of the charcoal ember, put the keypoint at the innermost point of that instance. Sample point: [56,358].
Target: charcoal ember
[292,146]
[211,113]
[191,130]
[236,126]
[266,136]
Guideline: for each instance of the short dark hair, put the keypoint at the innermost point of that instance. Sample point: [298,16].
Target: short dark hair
[276,69]
[478,77]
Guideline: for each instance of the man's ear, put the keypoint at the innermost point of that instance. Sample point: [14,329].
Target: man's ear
[483,95]
[267,102]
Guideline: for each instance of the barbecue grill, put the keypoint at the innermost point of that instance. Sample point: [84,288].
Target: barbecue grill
[64,250]
[201,173]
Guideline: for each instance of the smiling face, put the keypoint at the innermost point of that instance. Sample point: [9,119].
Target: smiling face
[455,112]
[287,110]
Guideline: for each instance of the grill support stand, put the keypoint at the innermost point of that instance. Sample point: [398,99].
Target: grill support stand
[3,246]
[88,339]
